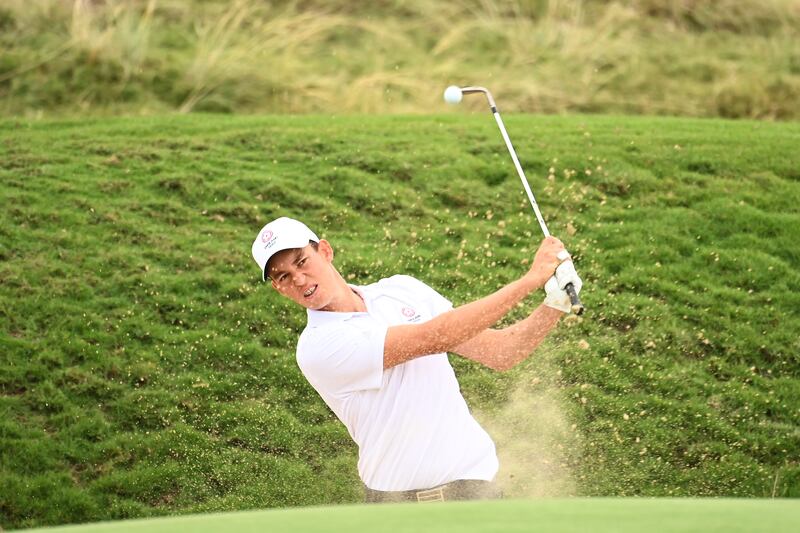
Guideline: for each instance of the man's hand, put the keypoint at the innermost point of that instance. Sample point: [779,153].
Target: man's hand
[545,261]
[557,297]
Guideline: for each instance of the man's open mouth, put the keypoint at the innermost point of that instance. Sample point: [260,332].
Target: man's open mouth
[310,291]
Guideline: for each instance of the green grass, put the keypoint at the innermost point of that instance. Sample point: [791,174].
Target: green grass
[558,516]
[147,371]
[728,58]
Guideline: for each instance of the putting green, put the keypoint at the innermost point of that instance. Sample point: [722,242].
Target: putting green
[554,516]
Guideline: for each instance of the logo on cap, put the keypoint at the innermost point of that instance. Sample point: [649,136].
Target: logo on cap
[269,238]
[408,312]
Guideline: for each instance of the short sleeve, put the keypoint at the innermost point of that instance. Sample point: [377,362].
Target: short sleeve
[343,358]
[437,304]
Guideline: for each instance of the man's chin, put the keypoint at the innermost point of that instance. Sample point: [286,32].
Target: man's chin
[315,304]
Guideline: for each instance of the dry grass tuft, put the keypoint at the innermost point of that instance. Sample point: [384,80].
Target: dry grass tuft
[731,58]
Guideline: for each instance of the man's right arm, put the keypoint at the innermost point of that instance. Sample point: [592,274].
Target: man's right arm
[448,330]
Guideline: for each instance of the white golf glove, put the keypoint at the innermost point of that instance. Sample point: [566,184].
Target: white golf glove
[557,297]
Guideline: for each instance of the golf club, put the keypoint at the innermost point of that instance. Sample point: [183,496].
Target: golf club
[453,95]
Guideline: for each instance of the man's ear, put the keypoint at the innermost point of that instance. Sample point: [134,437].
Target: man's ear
[325,250]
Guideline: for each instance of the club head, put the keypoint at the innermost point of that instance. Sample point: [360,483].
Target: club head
[454,94]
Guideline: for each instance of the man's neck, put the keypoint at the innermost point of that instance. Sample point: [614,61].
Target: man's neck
[347,300]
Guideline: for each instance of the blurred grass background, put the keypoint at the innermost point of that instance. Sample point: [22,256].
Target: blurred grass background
[727,58]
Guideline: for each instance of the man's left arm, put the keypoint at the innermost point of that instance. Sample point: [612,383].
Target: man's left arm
[502,349]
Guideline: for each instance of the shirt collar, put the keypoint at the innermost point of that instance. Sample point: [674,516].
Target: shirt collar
[319,318]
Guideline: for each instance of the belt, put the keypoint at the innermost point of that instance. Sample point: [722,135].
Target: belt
[462,489]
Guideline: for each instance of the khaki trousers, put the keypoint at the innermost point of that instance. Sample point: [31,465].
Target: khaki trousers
[462,489]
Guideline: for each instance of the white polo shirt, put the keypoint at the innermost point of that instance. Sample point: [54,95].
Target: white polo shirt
[412,426]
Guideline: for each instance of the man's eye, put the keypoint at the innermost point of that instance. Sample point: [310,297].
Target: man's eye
[281,277]
[303,260]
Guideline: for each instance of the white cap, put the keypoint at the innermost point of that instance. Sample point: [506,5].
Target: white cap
[281,234]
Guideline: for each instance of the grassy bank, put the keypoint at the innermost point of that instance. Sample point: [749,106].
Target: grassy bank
[146,370]
[728,58]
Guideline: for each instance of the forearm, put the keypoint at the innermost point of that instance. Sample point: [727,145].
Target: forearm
[464,322]
[505,348]
[446,331]
[515,343]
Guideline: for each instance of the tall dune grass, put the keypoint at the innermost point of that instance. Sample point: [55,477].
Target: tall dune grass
[731,58]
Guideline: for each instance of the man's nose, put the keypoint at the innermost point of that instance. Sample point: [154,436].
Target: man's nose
[299,279]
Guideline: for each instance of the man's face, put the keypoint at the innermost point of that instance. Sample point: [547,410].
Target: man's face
[304,275]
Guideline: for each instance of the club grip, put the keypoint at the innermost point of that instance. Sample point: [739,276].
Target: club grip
[577,306]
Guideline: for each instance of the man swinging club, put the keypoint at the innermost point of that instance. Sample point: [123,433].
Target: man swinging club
[377,355]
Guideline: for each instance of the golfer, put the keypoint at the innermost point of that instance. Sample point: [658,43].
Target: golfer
[377,355]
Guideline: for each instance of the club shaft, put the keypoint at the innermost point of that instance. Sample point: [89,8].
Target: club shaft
[577,306]
[520,172]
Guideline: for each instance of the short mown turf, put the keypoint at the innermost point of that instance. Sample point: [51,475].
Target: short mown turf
[552,516]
